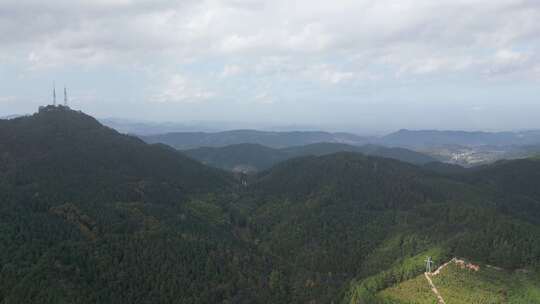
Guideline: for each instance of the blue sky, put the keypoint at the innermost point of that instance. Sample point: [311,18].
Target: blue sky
[364,66]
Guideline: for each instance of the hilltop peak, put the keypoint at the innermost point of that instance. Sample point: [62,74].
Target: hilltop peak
[73,150]
[60,111]
[57,119]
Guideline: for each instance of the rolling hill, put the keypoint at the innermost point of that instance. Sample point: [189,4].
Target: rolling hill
[254,157]
[240,157]
[89,215]
[389,215]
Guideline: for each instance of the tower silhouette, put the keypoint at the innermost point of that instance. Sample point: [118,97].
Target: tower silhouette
[65,97]
[54,94]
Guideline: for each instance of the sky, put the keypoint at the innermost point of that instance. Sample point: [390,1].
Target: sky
[352,65]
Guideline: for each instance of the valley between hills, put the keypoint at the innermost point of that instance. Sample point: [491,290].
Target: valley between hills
[90,215]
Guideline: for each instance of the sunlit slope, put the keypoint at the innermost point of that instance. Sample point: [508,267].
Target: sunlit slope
[459,285]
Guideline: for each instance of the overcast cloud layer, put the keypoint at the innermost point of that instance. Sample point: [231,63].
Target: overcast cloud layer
[357,65]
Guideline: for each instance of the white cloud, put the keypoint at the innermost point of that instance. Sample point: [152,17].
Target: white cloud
[301,53]
[231,70]
[274,65]
[125,31]
[507,61]
[328,74]
[113,29]
[426,64]
[180,89]
[264,98]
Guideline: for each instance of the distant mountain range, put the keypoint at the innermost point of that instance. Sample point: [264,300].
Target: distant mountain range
[463,148]
[434,138]
[456,147]
[190,140]
[206,134]
[416,139]
[130,126]
[255,157]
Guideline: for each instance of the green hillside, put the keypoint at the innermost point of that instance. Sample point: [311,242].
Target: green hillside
[254,157]
[319,149]
[385,212]
[92,216]
[459,285]
[241,157]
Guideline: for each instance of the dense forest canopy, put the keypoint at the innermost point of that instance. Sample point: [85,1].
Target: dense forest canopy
[89,215]
[253,157]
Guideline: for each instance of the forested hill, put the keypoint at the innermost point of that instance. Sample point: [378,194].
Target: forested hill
[388,215]
[240,157]
[92,216]
[66,151]
[254,157]
[517,177]
[515,185]
[401,154]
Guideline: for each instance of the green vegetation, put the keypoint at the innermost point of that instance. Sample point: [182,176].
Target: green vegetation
[92,216]
[254,157]
[413,291]
[463,286]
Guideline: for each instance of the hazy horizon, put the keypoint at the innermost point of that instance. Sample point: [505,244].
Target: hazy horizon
[368,67]
[213,126]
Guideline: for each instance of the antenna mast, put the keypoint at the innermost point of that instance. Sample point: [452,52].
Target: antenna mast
[54,94]
[65,97]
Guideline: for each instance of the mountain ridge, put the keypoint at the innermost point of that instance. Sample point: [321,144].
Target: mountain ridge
[255,157]
[189,140]
[90,215]
[427,138]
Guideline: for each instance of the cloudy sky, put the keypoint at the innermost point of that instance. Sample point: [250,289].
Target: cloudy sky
[366,65]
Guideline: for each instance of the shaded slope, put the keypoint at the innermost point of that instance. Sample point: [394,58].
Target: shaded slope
[253,157]
[401,154]
[70,150]
[513,184]
[89,215]
[92,216]
[516,177]
[241,157]
[348,174]
[346,216]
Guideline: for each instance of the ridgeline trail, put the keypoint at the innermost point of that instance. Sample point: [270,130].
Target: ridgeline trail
[436,272]
[434,289]
[457,261]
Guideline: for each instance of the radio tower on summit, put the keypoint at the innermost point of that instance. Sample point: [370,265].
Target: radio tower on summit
[65,97]
[54,94]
